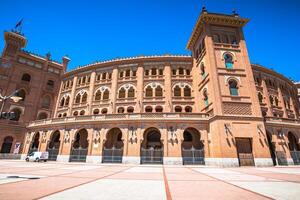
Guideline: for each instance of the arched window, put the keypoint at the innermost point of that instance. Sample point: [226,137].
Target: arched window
[148,109]
[178,109]
[77,99]
[216,38]
[271,100]
[177,91]
[260,97]
[188,109]
[276,101]
[130,109]
[83,80]
[42,116]
[98,95]
[106,94]
[205,98]
[228,61]
[158,109]
[65,114]
[120,110]
[50,83]
[181,71]
[62,102]
[84,98]
[7,144]
[21,93]
[26,77]
[224,38]
[46,102]
[149,91]
[127,73]
[233,39]
[104,111]
[233,88]
[153,71]
[122,93]
[131,92]
[160,72]
[187,72]
[202,68]
[59,115]
[158,91]
[104,76]
[187,91]
[82,112]
[75,113]
[18,113]
[67,101]
[96,111]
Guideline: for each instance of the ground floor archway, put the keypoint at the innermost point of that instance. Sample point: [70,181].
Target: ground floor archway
[34,146]
[113,147]
[294,148]
[79,147]
[271,148]
[7,144]
[152,147]
[192,147]
[53,146]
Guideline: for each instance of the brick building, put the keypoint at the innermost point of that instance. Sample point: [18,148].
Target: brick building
[212,108]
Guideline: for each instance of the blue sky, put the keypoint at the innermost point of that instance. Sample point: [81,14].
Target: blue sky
[100,30]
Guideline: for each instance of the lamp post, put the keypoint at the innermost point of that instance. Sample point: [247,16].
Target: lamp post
[13,96]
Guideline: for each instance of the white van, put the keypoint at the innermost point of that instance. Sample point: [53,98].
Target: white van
[37,156]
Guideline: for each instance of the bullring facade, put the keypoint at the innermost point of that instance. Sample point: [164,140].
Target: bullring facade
[211,108]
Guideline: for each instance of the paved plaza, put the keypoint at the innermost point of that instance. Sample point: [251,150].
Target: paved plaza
[51,180]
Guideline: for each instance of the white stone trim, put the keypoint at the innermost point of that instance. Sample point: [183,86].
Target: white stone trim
[222,162]
[23,156]
[94,159]
[63,158]
[263,162]
[290,161]
[172,160]
[131,160]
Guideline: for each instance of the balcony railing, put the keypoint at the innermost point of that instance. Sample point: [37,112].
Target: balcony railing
[126,117]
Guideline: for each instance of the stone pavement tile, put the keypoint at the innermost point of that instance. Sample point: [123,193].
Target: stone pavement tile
[275,190]
[268,174]
[138,176]
[229,175]
[195,190]
[49,172]
[145,170]
[185,174]
[295,171]
[81,167]
[108,189]
[88,174]
[33,189]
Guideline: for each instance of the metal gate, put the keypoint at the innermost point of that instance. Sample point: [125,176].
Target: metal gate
[78,155]
[244,151]
[193,156]
[52,154]
[296,157]
[112,155]
[281,158]
[152,156]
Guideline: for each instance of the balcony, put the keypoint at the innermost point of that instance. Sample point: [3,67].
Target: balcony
[159,117]
[282,121]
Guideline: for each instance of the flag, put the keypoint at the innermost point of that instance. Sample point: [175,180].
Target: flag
[19,23]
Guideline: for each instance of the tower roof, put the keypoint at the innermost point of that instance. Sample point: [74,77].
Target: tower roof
[233,20]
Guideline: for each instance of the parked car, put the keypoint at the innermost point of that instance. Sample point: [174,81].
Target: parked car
[37,156]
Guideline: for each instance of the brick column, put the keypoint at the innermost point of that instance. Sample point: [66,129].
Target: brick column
[72,95]
[266,95]
[282,102]
[168,88]
[91,93]
[114,90]
[140,88]
[58,100]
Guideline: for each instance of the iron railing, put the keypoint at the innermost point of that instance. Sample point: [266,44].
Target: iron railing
[52,154]
[152,156]
[78,155]
[112,155]
[296,157]
[281,158]
[193,156]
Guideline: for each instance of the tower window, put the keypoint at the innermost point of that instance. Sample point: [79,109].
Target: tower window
[228,61]
[26,77]
[205,98]
[233,88]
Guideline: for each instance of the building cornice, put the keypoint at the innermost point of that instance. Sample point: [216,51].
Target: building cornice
[216,19]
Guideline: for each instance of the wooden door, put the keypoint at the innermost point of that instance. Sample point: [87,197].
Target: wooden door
[244,151]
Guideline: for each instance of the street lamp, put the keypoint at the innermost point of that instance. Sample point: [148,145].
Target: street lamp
[13,96]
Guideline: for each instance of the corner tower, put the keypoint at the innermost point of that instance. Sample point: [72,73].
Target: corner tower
[225,88]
